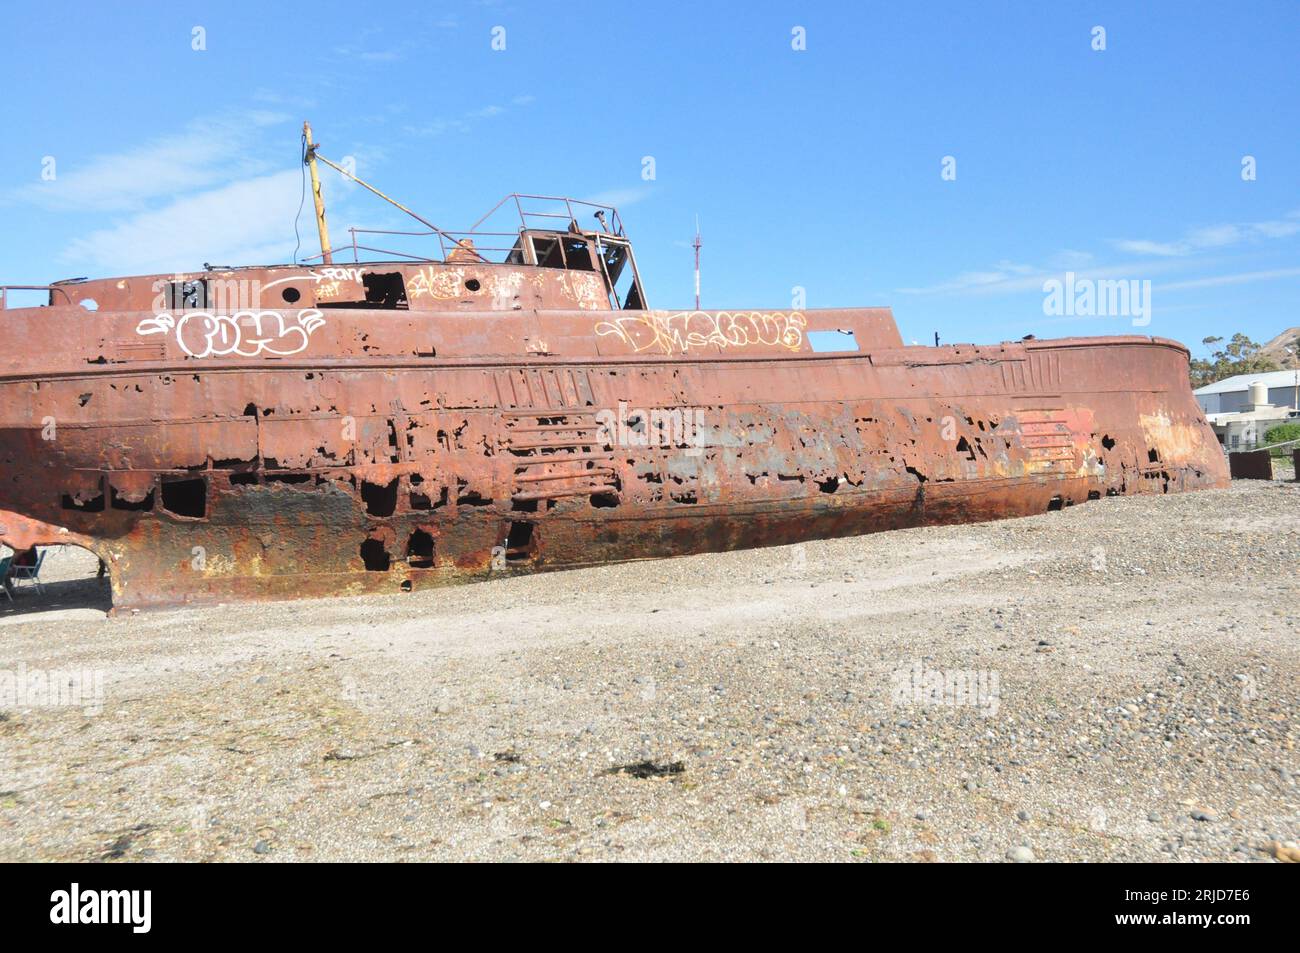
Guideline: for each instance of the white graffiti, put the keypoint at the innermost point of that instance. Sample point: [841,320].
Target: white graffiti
[329,281]
[324,274]
[339,274]
[505,289]
[584,289]
[241,334]
[684,330]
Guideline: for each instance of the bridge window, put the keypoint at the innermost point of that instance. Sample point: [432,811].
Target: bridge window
[830,341]
[384,291]
[625,290]
[563,250]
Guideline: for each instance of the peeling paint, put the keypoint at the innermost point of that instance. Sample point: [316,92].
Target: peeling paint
[445,424]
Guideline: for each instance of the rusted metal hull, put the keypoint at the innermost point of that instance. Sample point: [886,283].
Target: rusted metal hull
[1251,465]
[402,450]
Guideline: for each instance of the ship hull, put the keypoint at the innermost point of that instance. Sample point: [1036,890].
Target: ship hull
[300,476]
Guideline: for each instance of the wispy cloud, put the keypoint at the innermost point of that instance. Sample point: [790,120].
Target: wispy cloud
[465,122]
[620,198]
[248,221]
[1001,274]
[364,51]
[283,100]
[201,155]
[1213,236]
[357,54]
[1011,278]
[1241,278]
[1153,259]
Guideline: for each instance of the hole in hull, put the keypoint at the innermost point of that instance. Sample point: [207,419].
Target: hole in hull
[380,501]
[374,556]
[121,503]
[188,498]
[519,544]
[93,505]
[419,550]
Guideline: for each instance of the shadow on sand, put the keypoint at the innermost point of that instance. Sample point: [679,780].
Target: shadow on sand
[57,597]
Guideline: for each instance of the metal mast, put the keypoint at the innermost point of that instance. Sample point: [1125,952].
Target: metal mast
[309,156]
[696,245]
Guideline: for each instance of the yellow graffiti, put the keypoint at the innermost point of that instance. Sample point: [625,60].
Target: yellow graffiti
[680,331]
[436,283]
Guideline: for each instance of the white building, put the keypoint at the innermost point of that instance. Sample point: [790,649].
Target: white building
[1232,394]
[1242,409]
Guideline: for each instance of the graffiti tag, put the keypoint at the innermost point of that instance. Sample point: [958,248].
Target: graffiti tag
[683,330]
[242,334]
[584,289]
[436,283]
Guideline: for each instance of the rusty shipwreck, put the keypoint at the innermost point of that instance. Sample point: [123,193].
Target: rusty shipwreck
[513,404]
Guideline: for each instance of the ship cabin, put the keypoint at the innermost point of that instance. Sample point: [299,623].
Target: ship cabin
[548,260]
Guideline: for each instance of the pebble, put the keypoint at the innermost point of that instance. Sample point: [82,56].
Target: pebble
[801,719]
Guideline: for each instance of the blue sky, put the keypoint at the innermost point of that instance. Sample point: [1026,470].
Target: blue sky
[817,168]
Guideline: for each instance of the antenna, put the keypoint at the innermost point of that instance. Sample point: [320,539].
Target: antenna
[696,245]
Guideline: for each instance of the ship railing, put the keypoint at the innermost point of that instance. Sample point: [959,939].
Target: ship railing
[543,212]
[467,243]
[5,289]
[529,208]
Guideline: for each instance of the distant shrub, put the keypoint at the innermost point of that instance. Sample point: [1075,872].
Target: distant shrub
[1281,434]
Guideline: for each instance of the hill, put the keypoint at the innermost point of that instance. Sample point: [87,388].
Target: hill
[1275,350]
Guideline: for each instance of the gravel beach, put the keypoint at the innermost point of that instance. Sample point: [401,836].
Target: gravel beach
[1116,681]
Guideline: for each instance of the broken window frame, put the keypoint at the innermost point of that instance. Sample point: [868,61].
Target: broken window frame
[633,298]
[596,245]
[187,294]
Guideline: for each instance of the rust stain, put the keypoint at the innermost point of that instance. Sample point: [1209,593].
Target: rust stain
[290,431]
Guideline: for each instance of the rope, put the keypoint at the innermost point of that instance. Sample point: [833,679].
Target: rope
[302,200]
[1282,444]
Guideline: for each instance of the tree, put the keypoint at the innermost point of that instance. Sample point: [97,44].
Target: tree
[1240,355]
[1282,433]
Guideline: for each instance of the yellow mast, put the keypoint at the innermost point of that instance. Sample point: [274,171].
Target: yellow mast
[310,158]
